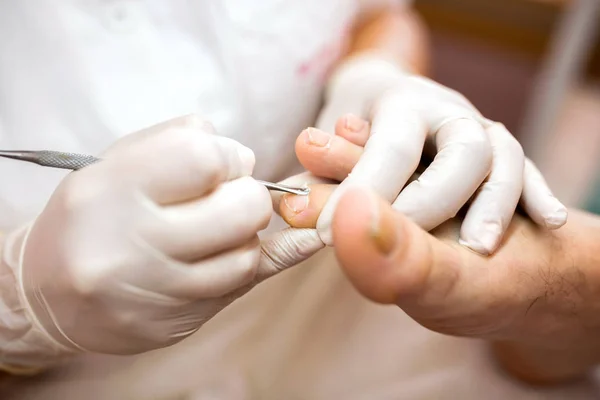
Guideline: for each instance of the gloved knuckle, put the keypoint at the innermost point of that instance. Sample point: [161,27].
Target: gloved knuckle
[210,164]
[450,95]
[402,149]
[476,147]
[86,282]
[196,123]
[460,98]
[202,154]
[432,91]
[419,83]
[78,190]
[247,264]
[513,147]
[392,100]
[516,149]
[129,320]
[73,184]
[478,143]
[504,186]
[496,127]
[257,201]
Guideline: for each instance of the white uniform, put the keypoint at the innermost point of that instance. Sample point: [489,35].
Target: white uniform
[75,75]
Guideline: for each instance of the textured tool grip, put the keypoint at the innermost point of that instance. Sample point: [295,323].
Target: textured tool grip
[58,159]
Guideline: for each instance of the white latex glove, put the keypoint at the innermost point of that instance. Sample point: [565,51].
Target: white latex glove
[474,156]
[138,251]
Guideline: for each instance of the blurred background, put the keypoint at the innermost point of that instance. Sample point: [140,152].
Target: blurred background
[535,66]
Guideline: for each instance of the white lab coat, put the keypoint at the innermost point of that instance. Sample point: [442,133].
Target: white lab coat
[76,75]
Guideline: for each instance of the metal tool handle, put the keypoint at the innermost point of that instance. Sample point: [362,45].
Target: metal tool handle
[74,161]
[59,159]
[53,159]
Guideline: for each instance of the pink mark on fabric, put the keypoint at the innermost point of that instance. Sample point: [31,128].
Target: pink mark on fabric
[304,69]
[321,64]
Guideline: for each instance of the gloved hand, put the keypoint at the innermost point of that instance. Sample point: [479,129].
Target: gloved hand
[473,155]
[535,295]
[138,251]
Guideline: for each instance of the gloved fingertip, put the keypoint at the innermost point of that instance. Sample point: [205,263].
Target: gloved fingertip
[557,218]
[475,247]
[326,235]
[247,159]
[485,239]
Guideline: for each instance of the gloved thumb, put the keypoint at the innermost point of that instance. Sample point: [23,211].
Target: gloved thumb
[286,248]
